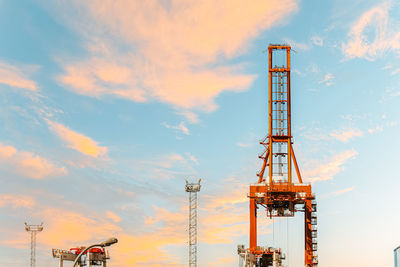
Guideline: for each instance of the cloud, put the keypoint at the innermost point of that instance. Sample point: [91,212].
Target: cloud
[16,201]
[16,77]
[221,220]
[190,116]
[328,79]
[28,164]
[168,166]
[111,215]
[161,53]
[343,191]
[192,158]
[346,135]
[244,145]
[180,127]
[326,171]
[68,228]
[378,128]
[77,141]
[297,45]
[317,40]
[372,34]
[395,71]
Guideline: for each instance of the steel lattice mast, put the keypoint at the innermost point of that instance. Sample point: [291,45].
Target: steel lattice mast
[33,229]
[192,189]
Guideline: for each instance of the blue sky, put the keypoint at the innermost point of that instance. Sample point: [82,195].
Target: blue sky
[106,108]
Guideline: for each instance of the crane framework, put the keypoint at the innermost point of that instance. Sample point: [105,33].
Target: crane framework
[93,257]
[33,229]
[275,190]
[192,189]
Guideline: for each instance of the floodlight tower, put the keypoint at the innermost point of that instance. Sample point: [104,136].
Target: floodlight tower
[192,189]
[33,229]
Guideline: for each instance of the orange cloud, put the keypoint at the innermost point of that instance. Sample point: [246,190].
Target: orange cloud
[16,201]
[342,191]
[220,221]
[169,56]
[384,37]
[111,215]
[78,141]
[346,135]
[28,164]
[180,127]
[326,171]
[68,228]
[15,77]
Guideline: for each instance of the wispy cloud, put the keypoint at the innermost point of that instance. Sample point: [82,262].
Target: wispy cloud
[385,34]
[16,77]
[343,191]
[395,71]
[112,216]
[297,45]
[327,80]
[327,170]
[378,128]
[317,40]
[181,127]
[346,135]
[338,192]
[244,145]
[168,166]
[77,141]
[28,164]
[16,201]
[171,62]
[190,116]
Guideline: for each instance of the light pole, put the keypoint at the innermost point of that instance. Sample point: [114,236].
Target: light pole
[33,229]
[103,244]
[193,188]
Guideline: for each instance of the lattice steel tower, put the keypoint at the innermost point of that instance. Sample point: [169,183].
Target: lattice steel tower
[192,188]
[34,229]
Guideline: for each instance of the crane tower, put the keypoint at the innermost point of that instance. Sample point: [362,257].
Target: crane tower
[33,229]
[192,189]
[275,190]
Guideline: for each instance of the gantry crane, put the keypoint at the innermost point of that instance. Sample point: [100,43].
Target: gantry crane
[276,191]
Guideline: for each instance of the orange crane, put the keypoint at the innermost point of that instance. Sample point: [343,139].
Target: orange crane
[276,191]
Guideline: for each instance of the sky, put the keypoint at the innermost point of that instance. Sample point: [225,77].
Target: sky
[106,107]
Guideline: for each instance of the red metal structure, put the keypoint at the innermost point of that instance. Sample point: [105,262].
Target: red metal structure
[276,191]
[92,257]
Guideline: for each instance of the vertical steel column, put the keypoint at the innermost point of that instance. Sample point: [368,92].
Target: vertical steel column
[289,117]
[33,249]
[88,259]
[253,225]
[270,115]
[192,229]
[309,223]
